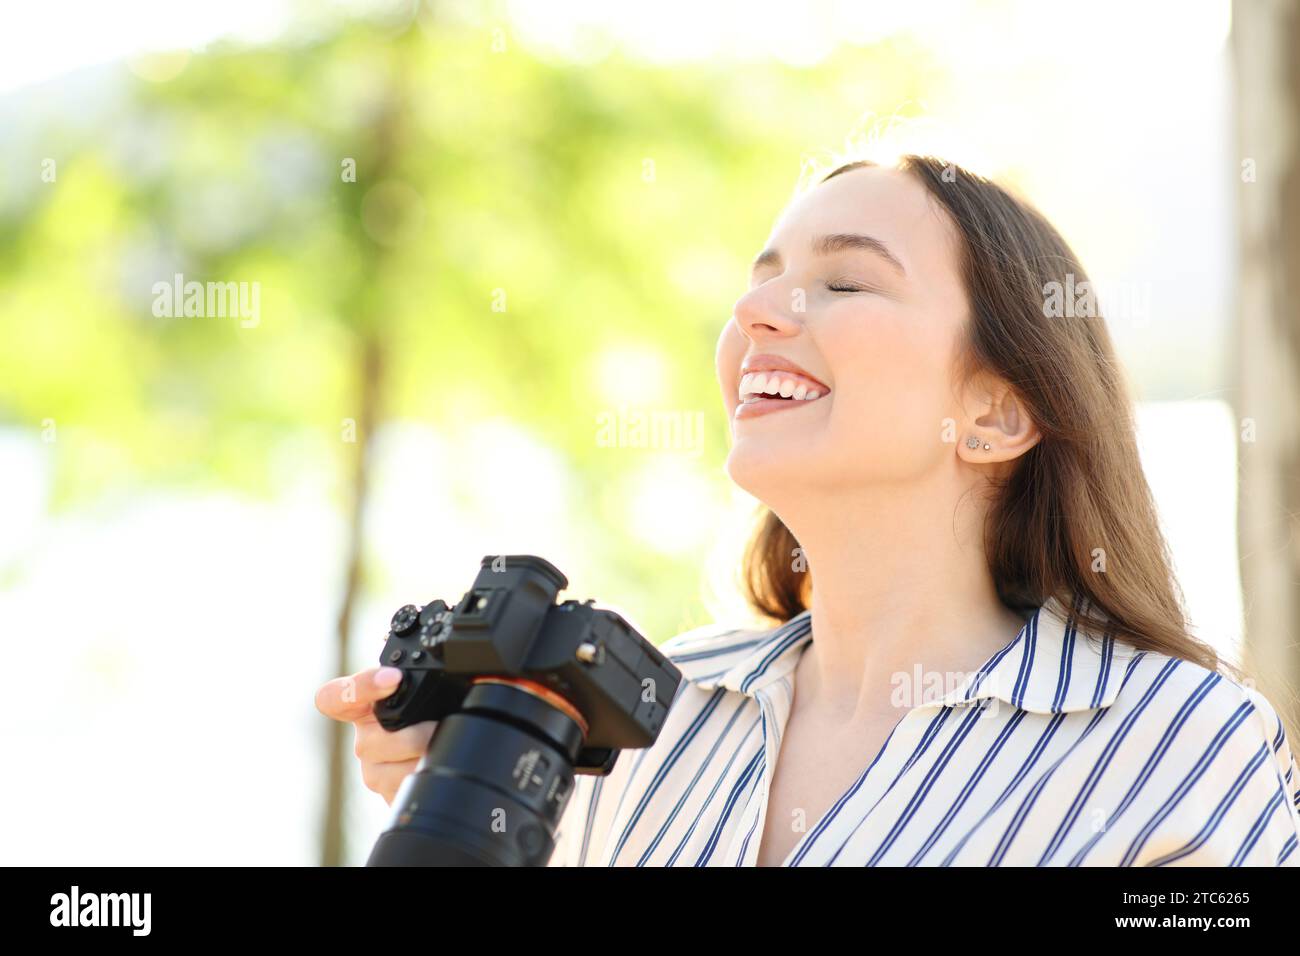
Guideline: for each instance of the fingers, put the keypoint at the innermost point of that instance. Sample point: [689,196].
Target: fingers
[374,744]
[387,757]
[386,778]
[352,698]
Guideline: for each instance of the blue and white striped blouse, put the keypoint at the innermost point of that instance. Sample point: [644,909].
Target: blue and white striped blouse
[1063,750]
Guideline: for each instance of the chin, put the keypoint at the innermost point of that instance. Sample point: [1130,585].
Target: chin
[765,471]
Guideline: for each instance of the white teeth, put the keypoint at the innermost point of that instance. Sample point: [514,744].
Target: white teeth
[754,386]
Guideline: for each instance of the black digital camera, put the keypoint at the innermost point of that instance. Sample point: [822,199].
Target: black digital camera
[526,693]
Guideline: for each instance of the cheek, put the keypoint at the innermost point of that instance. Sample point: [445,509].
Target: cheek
[892,387]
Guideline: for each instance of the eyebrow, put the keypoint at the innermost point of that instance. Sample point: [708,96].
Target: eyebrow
[836,242]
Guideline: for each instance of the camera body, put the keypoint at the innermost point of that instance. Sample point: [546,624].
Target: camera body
[508,625]
[526,692]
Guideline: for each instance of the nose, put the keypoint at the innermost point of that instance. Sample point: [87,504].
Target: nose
[768,311]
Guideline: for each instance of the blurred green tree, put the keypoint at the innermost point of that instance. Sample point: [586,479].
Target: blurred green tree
[440,225]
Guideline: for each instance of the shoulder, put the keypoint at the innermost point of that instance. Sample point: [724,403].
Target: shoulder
[708,637]
[1209,701]
[712,649]
[1220,749]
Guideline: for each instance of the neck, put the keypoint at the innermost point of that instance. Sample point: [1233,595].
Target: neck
[900,582]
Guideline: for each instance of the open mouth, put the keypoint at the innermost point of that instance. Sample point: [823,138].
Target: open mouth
[779,385]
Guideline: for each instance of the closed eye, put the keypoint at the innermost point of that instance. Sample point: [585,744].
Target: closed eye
[845,288]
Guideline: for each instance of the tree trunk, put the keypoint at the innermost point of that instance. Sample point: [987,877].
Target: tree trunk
[1266,53]
[333,841]
[368,309]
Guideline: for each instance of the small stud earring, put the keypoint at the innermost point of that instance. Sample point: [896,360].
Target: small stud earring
[986,446]
[973,442]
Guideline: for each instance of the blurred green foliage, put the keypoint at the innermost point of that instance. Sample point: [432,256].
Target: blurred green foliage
[482,169]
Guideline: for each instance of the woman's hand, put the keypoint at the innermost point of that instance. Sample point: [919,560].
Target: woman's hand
[387,756]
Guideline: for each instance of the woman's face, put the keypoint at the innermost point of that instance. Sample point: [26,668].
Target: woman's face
[858,286]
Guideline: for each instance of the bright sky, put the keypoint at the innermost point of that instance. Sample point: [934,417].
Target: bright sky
[45,39]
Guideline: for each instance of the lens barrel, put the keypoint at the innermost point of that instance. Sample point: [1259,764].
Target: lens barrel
[490,788]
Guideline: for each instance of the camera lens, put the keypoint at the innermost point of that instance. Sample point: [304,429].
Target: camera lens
[491,787]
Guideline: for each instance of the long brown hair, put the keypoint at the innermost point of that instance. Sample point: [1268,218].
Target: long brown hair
[1081,487]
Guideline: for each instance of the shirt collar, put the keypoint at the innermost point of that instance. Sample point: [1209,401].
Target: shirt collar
[1050,667]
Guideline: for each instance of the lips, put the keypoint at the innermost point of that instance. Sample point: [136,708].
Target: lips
[777,363]
[772,383]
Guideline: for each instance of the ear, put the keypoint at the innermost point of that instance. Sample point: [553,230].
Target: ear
[999,420]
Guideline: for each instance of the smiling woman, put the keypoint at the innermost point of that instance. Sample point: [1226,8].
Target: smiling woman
[980,655]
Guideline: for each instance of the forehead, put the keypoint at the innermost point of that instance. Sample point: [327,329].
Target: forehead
[883,202]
